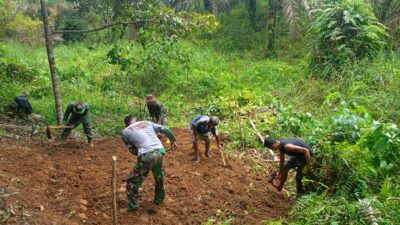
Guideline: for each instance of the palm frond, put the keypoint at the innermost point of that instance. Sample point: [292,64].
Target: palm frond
[393,15]
[291,8]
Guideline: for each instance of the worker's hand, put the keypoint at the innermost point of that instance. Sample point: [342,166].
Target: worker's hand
[220,145]
[91,144]
[278,188]
[173,145]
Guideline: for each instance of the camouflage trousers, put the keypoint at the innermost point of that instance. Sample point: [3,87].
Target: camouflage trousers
[151,161]
[28,119]
[163,120]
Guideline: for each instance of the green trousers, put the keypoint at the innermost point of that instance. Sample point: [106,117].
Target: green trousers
[151,161]
[75,121]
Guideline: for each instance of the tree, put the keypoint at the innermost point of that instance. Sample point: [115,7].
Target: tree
[273,6]
[292,9]
[8,11]
[252,8]
[52,63]
[346,31]
[388,13]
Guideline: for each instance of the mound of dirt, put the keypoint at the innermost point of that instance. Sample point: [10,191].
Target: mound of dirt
[70,183]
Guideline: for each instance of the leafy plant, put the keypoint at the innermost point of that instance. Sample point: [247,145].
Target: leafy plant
[347,31]
[383,142]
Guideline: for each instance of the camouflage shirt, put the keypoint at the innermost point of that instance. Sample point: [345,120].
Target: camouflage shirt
[157,110]
[70,111]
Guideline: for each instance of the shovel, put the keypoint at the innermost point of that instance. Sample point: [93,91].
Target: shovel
[49,128]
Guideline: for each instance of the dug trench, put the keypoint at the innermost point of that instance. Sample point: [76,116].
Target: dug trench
[70,183]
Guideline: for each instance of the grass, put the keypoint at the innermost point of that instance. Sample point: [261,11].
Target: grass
[84,71]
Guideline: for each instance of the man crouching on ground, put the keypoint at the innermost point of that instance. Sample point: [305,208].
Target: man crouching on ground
[141,139]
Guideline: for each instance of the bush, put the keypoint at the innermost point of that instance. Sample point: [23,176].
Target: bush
[70,20]
[347,31]
[25,29]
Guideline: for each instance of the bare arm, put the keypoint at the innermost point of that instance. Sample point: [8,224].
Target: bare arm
[306,152]
[217,139]
[214,132]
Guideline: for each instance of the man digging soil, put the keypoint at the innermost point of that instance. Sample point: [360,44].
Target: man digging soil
[300,158]
[141,139]
[200,129]
[75,114]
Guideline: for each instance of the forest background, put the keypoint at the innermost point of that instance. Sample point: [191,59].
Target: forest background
[326,71]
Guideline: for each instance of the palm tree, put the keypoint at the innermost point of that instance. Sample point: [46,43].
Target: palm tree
[292,10]
[388,13]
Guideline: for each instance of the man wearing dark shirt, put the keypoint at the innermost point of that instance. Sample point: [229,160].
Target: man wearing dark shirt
[23,109]
[300,156]
[200,129]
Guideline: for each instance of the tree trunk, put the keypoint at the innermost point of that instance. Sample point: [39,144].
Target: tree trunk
[215,4]
[207,6]
[252,7]
[132,32]
[117,7]
[272,9]
[52,63]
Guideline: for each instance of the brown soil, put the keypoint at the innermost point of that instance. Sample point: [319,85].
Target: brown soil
[48,183]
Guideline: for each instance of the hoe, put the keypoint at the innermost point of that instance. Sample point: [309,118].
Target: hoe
[49,128]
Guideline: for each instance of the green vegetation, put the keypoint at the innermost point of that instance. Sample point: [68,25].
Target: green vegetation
[333,80]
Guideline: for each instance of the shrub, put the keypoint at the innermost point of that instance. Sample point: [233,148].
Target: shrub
[70,20]
[347,31]
[25,29]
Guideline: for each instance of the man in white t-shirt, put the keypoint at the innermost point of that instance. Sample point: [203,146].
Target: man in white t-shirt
[141,139]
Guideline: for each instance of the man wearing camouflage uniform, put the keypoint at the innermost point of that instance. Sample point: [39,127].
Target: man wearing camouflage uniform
[78,113]
[141,139]
[157,110]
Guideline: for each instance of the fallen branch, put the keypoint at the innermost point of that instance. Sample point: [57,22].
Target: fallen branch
[6,118]
[256,132]
[261,139]
[101,27]
[393,198]
[2,125]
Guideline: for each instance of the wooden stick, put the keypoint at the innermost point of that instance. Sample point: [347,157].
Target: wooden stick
[256,132]
[240,124]
[261,139]
[144,109]
[114,189]
[393,198]
[222,156]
